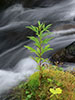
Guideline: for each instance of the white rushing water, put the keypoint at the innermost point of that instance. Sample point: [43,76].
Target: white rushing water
[15,64]
[10,78]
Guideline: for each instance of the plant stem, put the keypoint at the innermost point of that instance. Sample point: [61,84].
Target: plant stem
[40,64]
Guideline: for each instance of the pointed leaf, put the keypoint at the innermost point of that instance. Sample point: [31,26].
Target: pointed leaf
[29,27]
[45,41]
[31,50]
[39,23]
[46,28]
[32,28]
[37,59]
[47,46]
[46,34]
[38,50]
[49,49]
[43,26]
[45,49]
[37,45]
[33,38]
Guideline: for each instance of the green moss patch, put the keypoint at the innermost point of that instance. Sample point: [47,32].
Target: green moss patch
[51,79]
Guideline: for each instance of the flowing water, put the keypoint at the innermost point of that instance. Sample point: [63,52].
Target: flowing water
[15,63]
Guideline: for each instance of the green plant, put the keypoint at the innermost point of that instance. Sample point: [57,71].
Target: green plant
[33,84]
[59,84]
[50,80]
[28,95]
[40,42]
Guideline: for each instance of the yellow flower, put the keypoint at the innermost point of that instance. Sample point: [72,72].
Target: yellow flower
[56,91]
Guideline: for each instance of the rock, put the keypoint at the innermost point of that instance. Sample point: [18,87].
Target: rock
[65,55]
[6,3]
[71,49]
[64,27]
[40,3]
[28,3]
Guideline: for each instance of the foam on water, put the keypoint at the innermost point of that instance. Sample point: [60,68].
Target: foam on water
[10,78]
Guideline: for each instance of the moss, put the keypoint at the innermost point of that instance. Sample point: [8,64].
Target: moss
[50,79]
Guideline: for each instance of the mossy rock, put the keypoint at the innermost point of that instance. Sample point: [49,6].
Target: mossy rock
[50,79]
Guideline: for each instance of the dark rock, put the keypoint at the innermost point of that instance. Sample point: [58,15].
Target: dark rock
[65,26]
[65,55]
[28,3]
[6,3]
[71,49]
[39,3]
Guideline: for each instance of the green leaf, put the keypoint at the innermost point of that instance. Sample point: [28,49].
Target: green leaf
[38,67]
[40,27]
[26,99]
[42,51]
[43,67]
[50,80]
[59,84]
[32,28]
[49,49]
[21,85]
[37,59]
[34,39]
[37,45]
[60,68]
[37,31]
[46,34]
[38,50]
[46,48]
[31,50]
[29,27]
[47,27]
[27,92]
[51,96]
[33,58]
[45,41]
[29,96]
[44,60]
[39,23]
[43,26]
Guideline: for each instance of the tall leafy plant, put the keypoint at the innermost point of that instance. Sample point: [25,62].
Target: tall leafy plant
[40,42]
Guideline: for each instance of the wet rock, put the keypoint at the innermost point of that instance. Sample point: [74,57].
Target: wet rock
[40,3]
[28,3]
[71,49]
[64,27]
[65,55]
[6,3]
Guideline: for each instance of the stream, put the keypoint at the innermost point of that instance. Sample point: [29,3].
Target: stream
[15,62]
